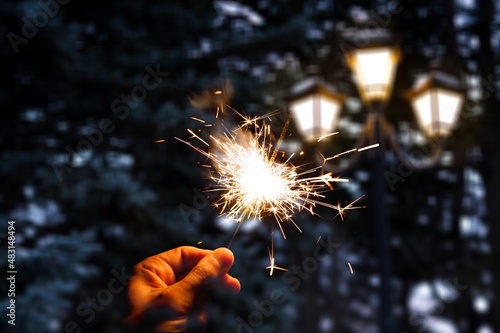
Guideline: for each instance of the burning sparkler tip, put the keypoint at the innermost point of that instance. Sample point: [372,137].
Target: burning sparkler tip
[247,169]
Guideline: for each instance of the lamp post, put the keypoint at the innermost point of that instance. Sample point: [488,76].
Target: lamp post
[374,67]
[436,100]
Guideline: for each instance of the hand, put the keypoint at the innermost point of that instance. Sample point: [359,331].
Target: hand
[177,280]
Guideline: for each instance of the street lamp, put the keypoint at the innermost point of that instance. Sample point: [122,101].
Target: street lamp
[374,65]
[436,100]
[315,106]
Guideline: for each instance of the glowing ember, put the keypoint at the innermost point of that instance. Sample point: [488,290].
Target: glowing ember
[254,186]
[272,266]
[252,183]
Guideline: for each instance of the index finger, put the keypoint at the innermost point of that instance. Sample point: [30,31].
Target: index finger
[183,258]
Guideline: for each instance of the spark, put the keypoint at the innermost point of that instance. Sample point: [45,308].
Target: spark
[197,137]
[342,210]
[326,159]
[160,141]
[255,180]
[198,119]
[369,147]
[254,184]
[272,266]
[250,179]
[327,135]
[350,267]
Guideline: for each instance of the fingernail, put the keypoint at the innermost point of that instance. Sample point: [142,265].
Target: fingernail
[224,256]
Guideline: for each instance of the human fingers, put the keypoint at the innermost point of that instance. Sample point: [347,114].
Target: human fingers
[183,258]
[228,283]
[163,269]
[187,297]
[152,275]
[209,270]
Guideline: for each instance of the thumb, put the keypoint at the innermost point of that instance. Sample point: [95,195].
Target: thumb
[213,266]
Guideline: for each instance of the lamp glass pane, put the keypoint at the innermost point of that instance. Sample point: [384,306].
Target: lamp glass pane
[329,115]
[302,112]
[423,111]
[449,107]
[375,70]
[437,110]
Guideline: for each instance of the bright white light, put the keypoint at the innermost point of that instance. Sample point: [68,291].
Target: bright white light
[254,185]
[446,291]
[466,225]
[421,299]
[329,113]
[439,325]
[258,179]
[302,111]
[437,110]
[315,115]
[374,69]
[481,304]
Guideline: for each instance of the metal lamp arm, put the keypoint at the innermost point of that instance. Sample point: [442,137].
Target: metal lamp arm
[417,158]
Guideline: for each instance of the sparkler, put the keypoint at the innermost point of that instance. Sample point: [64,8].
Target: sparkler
[252,183]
